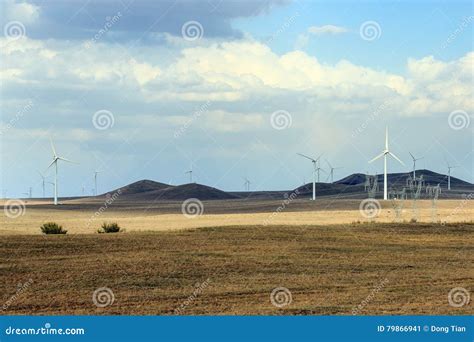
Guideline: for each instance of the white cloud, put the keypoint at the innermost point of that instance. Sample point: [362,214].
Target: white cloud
[21,11]
[326,29]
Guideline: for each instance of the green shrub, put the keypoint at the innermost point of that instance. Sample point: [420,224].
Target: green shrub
[109,228]
[52,228]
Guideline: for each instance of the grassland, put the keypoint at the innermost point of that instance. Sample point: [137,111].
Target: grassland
[79,216]
[385,268]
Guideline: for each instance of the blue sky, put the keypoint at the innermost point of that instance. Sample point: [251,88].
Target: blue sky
[123,87]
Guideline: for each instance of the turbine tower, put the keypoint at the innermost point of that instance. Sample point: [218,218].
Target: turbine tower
[449,174]
[315,167]
[43,178]
[331,172]
[414,163]
[56,158]
[95,181]
[386,152]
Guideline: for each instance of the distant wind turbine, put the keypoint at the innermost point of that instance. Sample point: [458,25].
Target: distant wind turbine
[449,173]
[246,184]
[384,154]
[29,193]
[190,172]
[331,172]
[414,163]
[56,158]
[318,168]
[315,168]
[42,183]
[95,181]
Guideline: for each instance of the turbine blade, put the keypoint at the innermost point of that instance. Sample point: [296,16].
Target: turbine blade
[386,137]
[329,164]
[54,160]
[52,146]
[412,157]
[67,160]
[394,156]
[379,156]
[306,157]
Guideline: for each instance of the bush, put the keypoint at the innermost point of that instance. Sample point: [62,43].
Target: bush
[52,228]
[109,228]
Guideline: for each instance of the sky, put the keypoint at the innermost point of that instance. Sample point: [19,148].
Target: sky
[232,89]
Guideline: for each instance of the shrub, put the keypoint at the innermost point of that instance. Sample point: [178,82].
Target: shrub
[109,228]
[413,220]
[52,228]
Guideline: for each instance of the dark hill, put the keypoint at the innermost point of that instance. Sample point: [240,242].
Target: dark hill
[183,192]
[141,187]
[399,179]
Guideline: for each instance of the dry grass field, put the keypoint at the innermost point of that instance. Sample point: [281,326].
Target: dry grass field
[78,217]
[384,268]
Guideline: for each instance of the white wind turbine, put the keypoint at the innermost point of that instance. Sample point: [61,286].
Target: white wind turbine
[315,169]
[331,172]
[414,163]
[56,158]
[246,184]
[449,173]
[95,181]
[318,168]
[43,178]
[384,154]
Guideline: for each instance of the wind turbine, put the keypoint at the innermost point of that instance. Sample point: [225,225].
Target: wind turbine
[42,183]
[29,193]
[318,168]
[449,174]
[56,158]
[95,181]
[414,163]
[315,167]
[331,173]
[246,184]
[384,154]
[190,173]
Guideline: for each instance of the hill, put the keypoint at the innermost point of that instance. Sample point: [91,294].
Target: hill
[141,186]
[183,192]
